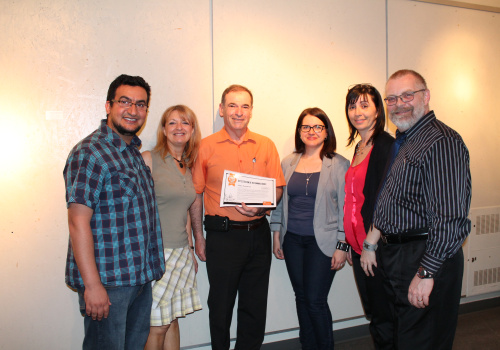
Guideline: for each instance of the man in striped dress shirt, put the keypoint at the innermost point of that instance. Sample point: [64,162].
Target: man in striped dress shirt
[421,216]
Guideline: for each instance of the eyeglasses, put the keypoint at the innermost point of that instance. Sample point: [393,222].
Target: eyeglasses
[405,97]
[316,128]
[141,106]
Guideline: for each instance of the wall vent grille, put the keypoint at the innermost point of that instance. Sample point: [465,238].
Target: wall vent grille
[489,223]
[482,252]
[486,276]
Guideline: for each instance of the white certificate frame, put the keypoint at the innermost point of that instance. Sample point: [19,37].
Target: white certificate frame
[254,191]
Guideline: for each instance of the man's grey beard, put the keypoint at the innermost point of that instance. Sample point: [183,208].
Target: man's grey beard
[417,112]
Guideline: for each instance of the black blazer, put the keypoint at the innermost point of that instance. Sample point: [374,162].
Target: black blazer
[374,175]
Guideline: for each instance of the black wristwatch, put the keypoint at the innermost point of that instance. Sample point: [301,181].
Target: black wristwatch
[343,246]
[423,273]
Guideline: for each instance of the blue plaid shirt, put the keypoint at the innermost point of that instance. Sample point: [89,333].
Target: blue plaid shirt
[109,176]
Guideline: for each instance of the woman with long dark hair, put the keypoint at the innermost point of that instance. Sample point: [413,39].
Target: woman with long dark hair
[366,118]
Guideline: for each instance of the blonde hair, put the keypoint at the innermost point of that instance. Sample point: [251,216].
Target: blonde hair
[192,146]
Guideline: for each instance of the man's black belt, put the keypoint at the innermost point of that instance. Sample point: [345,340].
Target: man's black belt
[223,224]
[405,237]
[247,225]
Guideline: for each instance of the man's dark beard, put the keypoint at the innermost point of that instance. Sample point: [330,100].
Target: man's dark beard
[122,131]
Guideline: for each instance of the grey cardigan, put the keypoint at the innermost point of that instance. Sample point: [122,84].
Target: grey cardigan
[328,219]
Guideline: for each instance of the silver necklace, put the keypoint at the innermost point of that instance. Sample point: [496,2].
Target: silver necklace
[308,177]
[359,149]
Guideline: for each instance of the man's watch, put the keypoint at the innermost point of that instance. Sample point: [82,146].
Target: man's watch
[423,273]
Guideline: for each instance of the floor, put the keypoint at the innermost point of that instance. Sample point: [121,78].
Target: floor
[475,330]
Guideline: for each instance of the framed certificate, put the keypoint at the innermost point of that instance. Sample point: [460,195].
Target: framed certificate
[254,191]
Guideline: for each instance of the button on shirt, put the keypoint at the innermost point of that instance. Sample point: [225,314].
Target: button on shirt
[429,185]
[110,177]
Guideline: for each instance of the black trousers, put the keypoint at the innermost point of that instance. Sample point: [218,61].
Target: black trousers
[238,262]
[375,301]
[433,327]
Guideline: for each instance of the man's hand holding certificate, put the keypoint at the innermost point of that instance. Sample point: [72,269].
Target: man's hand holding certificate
[254,191]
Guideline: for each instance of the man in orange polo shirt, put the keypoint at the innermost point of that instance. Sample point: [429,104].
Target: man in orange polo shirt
[238,244]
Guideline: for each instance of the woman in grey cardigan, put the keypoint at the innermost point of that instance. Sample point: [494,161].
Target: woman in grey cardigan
[308,224]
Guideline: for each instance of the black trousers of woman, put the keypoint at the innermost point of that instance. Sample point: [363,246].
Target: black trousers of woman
[375,302]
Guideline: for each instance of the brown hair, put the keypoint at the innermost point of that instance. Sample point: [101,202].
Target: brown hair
[236,88]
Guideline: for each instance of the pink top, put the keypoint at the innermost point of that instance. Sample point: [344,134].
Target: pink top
[353,221]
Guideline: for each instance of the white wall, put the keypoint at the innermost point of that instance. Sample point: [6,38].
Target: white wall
[457,51]
[61,56]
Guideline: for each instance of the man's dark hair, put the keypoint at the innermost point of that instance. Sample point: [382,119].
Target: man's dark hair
[127,80]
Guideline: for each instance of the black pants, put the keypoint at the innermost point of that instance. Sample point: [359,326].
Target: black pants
[434,326]
[238,262]
[375,302]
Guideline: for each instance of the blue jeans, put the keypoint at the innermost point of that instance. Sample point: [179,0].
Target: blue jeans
[311,277]
[127,325]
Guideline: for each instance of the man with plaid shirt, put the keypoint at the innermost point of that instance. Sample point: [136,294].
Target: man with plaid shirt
[115,247]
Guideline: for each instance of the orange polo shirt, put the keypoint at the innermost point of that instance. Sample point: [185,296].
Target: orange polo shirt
[256,155]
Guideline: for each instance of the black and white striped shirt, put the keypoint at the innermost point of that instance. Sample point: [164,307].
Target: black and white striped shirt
[428,186]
